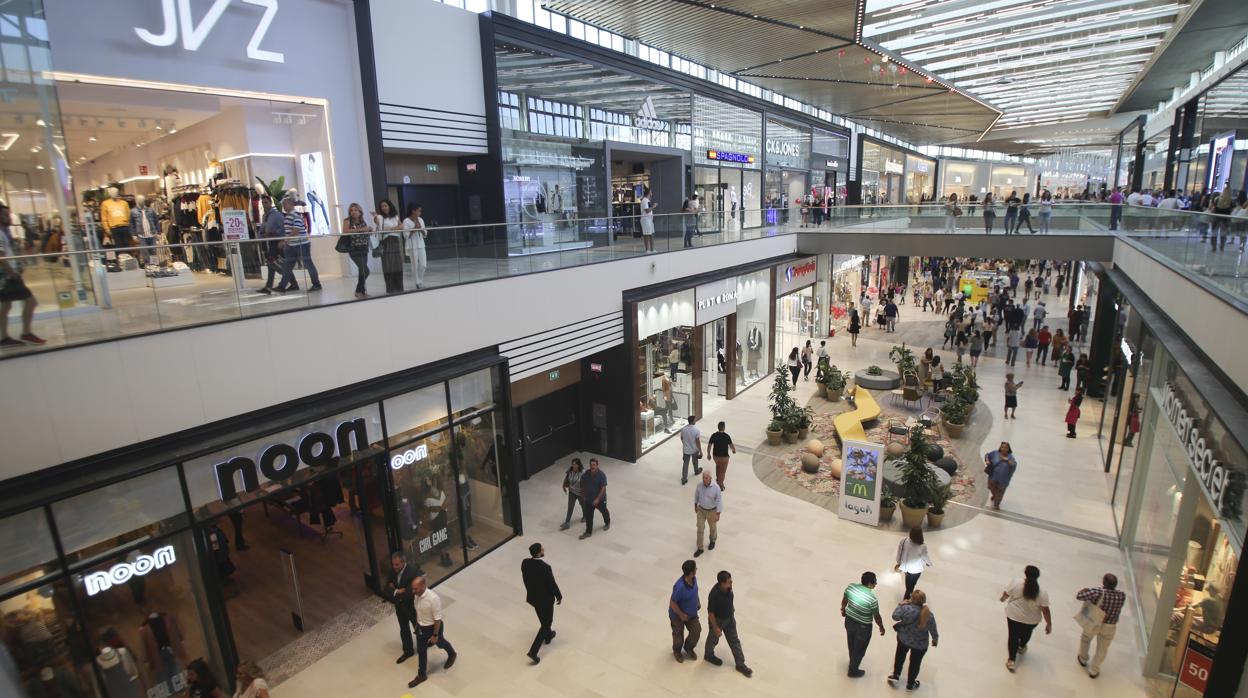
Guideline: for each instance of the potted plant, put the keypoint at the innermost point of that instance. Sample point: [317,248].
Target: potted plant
[874,370]
[805,416]
[955,413]
[774,430]
[792,425]
[782,404]
[835,380]
[904,358]
[888,505]
[917,481]
[821,376]
[936,510]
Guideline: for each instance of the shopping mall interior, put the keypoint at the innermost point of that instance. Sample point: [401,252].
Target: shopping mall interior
[311,330]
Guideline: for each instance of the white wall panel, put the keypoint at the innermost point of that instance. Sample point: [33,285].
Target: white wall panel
[233,368]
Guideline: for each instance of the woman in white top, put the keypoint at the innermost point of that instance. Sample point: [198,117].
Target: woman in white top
[912,559]
[951,213]
[647,220]
[414,229]
[390,242]
[251,683]
[1025,605]
[1046,211]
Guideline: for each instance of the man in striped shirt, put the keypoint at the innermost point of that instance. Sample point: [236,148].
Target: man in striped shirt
[298,246]
[859,607]
[1111,601]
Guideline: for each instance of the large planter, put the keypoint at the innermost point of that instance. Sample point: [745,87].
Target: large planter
[886,513]
[911,517]
[803,433]
[822,388]
[790,437]
[935,520]
[773,437]
[954,430]
[834,395]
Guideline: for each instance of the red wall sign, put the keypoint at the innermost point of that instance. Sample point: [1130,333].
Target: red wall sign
[1197,664]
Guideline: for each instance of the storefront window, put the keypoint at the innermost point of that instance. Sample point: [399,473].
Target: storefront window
[882,170]
[28,551]
[920,179]
[425,499]
[142,508]
[481,445]
[472,392]
[1007,179]
[415,412]
[45,651]
[1135,402]
[752,197]
[665,371]
[1161,497]
[147,619]
[753,315]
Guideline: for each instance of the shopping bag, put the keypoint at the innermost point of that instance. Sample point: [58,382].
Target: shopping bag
[1090,617]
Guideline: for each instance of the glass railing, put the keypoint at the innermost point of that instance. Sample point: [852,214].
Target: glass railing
[88,293]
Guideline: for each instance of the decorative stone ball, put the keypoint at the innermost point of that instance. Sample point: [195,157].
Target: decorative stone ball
[836,467]
[815,446]
[895,449]
[810,463]
[935,452]
[948,465]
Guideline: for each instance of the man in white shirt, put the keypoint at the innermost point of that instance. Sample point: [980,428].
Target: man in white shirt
[1170,202]
[691,449]
[1134,198]
[1147,199]
[430,629]
[708,504]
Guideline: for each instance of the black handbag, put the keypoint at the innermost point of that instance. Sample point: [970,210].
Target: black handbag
[343,245]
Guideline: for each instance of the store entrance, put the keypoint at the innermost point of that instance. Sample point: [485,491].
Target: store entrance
[715,361]
[797,316]
[631,172]
[296,563]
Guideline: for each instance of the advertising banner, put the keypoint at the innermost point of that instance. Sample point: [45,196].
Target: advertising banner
[861,483]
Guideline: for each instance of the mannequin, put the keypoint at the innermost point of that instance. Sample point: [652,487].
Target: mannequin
[115,218]
[162,646]
[146,226]
[121,675]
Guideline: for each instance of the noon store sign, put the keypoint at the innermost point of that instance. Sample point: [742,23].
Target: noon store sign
[715,300]
[795,275]
[280,461]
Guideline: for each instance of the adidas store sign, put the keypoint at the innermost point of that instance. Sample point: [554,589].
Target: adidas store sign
[647,118]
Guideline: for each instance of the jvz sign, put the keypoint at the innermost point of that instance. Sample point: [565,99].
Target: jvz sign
[180,22]
[280,461]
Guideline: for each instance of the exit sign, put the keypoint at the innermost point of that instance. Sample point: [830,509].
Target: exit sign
[431,167]
[553,375]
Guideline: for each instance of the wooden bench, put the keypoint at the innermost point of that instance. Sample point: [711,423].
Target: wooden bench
[848,425]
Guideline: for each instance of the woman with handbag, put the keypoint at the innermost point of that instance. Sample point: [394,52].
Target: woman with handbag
[915,624]
[1025,604]
[912,559]
[355,244]
[952,211]
[1000,466]
[572,487]
[389,245]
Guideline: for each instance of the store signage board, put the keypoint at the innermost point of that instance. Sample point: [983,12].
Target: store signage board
[893,167]
[794,275]
[725,156]
[785,148]
[715,300]
[860,482]
[1197,665]
[833,164]
[1215,476]
[123,572]
[179,22]
[417,453]
[433,540]
[233,225]
[280,461]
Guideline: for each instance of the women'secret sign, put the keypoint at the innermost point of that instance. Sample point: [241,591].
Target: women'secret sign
[1213,474]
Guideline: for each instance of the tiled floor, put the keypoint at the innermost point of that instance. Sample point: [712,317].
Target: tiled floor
[790,560]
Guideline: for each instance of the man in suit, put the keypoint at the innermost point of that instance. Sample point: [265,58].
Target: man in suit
[542,594]
[399,589]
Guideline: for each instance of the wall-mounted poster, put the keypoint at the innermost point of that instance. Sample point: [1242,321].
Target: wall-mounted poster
[312,167]
[861,483]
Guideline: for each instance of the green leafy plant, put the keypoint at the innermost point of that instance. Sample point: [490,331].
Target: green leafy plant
[276,188]
[917,481]
[805,415]
[776,425]
[888,501]
[782,404]
[963,382]
[834,379]
[956,410]
[874,370]
[941,494]
[904,358]
[821,370]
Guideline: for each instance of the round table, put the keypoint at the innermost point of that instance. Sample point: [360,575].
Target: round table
[885,381]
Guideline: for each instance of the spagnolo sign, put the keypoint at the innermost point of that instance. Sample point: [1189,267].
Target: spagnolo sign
[280,461]
[1217,478]
[123,572]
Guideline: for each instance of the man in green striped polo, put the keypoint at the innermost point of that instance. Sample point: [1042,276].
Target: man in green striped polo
[859,607]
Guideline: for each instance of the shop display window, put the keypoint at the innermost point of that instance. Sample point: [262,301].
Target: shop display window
[797,320]
[667,379]
[416,412]
[753,316]
[28,550]
[142,508]
[146,618]
[480,443]
[425,494]
[1161,497]
[473,392]
[43,650]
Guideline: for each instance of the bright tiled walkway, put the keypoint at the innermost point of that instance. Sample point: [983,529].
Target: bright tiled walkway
[790,560]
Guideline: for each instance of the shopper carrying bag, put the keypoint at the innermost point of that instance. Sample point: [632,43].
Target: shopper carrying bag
[1090,617]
